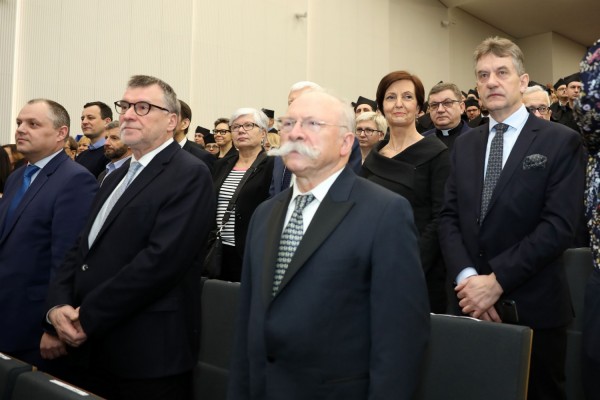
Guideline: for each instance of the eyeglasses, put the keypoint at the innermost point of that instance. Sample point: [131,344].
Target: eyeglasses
[446,103]
[247,126]
[221,131]
[541,109]
[366,131]
[211,146]
[141,108]
[287,124]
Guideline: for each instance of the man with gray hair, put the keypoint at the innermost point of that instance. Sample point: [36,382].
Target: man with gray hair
[333,300]
[537,101]
[126,299]
[511,208]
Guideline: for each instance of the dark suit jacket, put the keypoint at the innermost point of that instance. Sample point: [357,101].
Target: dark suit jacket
[197,150]
[94,160]
[45,225]
[531,219]
[454,133]
[355,162]
[254,192]
[138,285]
[351,319]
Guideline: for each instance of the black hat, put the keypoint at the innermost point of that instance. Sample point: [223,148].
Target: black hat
[202,130]
[473,92]
[572,78]
[559,83]
[471,102]
[364,100]
[268,113]
[208,138]
[463,93]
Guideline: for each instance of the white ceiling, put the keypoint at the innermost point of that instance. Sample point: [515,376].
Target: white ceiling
[578,20]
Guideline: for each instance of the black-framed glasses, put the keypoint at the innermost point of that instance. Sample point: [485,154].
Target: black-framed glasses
[541,109]
[366,131]
[211,146]
[446,104]
[287,124]
[247,126]
[141,108]
[221,131]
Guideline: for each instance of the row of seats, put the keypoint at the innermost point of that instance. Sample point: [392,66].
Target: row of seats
[21,381]
[490,355]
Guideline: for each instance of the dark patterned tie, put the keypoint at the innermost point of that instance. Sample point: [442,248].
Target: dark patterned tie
[494,168]
[290,239]
[30,170]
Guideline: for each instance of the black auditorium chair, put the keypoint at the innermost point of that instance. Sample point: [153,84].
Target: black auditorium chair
[218,315]
[469,359]
[10,368]
[38,385]
[578,266]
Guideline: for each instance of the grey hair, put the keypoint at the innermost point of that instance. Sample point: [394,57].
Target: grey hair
[500,47]
[112,125]
[259,117]
[535,89]
[375,117]
[304,84]
[170,97]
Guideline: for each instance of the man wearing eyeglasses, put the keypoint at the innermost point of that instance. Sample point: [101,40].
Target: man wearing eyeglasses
[126,298]
[333,300]
[446,107]
[537,101]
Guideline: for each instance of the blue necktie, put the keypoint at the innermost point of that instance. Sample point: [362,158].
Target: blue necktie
[290,239]
[29,172]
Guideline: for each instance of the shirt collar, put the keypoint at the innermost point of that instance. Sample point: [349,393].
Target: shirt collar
[319,191]
[146,158]
[98,144]
[182,143]
[515,120]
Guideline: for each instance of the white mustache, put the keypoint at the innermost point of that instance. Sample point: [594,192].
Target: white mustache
[297,147]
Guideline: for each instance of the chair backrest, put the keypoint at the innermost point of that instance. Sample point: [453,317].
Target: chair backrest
[219,312]
[38,385]
[471,359]
[578,266]
[10,368]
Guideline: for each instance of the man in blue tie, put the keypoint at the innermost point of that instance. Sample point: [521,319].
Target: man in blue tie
[44,207]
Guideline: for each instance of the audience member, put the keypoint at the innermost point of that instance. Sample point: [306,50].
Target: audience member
[94,117]
[415,167]
[115,150]
[587,114]
[44,207]
[180,137]
[511,208]
[247,173]
[364,105]
[472,109]
[271,115]
[210,145]
[222,135]
[126,300]
[563,113]
[200,134]
[272,141]
[17,159]
[71,147]
[446,109]
[537,101]
[370,129]
[82,145]
[345,316]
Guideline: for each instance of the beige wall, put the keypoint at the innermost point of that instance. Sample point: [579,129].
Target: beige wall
[221,55]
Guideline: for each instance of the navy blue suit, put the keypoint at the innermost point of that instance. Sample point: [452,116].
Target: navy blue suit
[351,317]
[45,225]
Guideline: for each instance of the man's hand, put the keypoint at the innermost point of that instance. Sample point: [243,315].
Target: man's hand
[477,295]
[52,347]
[65,320]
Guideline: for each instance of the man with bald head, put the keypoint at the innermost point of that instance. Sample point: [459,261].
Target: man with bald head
[333,301]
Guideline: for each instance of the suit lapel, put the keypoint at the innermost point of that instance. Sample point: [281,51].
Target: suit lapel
[515,158]
[274,229]
[33,190]
[481,140]
[330,213]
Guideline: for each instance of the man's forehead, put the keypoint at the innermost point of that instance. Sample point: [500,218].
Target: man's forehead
[151,93]
[444,94]
[38,110]
[495,61]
